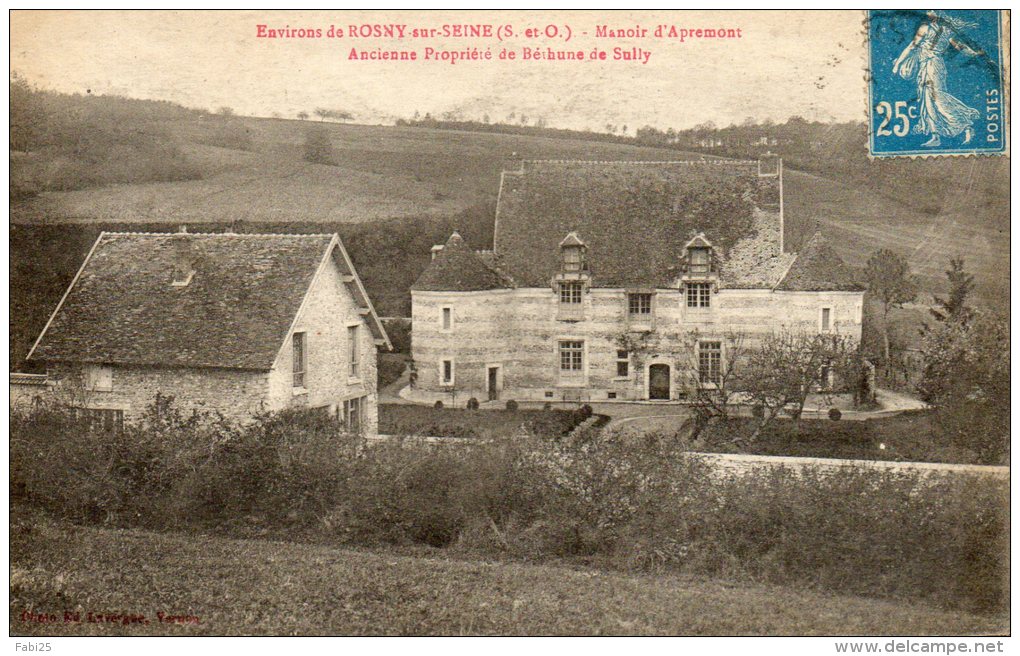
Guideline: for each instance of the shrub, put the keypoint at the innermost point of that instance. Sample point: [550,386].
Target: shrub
[611,500]
[545,406]
[318,148]
[586,411]
[399,331]
[390,368]
[438,404]
[228,132]
[758,411]
[511,405]
[835,414]
[472,403]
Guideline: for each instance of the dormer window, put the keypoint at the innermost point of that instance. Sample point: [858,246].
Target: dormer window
[572,252]
[572,259]
[700,259]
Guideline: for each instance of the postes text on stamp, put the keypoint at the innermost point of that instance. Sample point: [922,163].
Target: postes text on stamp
[936,83]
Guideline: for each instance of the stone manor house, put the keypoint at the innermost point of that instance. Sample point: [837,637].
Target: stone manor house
[229,323]
[591,257]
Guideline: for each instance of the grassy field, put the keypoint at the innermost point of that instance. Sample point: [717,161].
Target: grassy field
[219,586]
[909,437]
[391,172]
[857,222]
[382,172]
[484,424]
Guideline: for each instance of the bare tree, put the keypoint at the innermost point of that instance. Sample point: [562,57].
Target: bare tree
[333,114]
[786,367]
[303,115]
[712,385]
[225,111]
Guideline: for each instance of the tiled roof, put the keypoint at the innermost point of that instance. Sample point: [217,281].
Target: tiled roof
[818,268]
[235,311]
[634,217]
[458,268]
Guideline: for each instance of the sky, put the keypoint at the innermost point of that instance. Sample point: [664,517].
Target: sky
[808,64]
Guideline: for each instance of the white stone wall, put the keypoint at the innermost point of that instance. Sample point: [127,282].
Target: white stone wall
[325,317]
[26,391]
[518,331]
[235,394]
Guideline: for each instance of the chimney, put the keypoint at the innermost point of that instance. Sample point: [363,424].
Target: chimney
[184,259]
[436,249]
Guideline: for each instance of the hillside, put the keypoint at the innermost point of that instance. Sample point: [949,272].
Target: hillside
[381,172]
[219,586]
[406,172]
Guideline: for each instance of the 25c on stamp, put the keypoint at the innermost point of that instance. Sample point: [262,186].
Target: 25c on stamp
[935,84]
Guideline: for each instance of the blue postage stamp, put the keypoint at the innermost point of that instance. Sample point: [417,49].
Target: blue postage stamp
[936,82]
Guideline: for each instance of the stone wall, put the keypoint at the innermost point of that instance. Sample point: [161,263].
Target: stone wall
[518,332]
[235,394]
[737,464]
[327,313]
[27,390]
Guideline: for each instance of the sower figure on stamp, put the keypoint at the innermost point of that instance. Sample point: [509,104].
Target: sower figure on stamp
[941,113]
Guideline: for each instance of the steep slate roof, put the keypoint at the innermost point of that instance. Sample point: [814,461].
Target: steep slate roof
[818,268]
[458,268]
[234,313]
[634,217]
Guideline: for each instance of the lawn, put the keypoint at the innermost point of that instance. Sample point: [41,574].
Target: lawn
[484,424]
[910,436]
[219,586]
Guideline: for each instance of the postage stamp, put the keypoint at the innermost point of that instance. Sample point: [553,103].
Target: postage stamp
[936,83]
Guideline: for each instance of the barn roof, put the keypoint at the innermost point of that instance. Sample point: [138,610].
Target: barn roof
[235,311]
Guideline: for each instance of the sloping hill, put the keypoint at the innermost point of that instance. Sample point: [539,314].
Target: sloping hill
[858,222]
[394,172]
[381,172]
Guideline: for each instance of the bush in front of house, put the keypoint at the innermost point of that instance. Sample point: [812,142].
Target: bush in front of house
[472,403]
[608,501]
[835,414]
[511,405]
[438,405]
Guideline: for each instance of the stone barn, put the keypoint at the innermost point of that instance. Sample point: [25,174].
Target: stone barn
[591,257]
[227,323]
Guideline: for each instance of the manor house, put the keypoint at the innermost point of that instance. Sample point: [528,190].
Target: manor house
[591,258]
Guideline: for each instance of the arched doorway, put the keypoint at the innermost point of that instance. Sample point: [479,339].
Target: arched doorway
[658,381]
